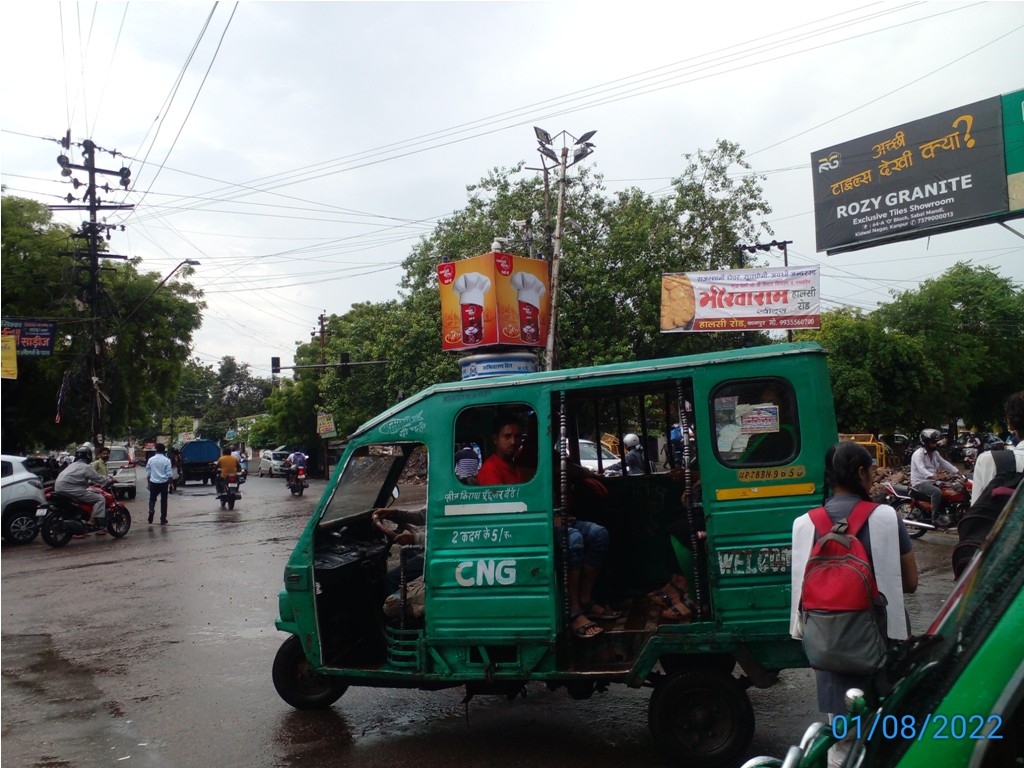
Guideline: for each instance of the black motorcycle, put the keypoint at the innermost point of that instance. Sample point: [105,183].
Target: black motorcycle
[297,480]
[229,490]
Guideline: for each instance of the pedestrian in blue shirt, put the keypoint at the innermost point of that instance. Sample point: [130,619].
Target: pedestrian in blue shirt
[158,475]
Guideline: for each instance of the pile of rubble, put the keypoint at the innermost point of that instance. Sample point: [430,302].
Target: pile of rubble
[897,475]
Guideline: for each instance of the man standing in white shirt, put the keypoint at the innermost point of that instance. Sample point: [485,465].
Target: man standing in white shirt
[985,469]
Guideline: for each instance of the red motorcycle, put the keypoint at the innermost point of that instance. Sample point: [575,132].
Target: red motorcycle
[62,517]
[916,508]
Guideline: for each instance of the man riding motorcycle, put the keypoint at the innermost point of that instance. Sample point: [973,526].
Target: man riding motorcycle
[924,466]
[295,460]
[74,482]
[229,465]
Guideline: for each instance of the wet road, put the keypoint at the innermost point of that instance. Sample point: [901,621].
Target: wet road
[156,650]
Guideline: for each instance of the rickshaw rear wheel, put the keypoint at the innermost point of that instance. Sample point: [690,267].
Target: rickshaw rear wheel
[701,718]
[296,681]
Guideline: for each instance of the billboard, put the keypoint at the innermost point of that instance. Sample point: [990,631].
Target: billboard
[781,298]
[33,338]
[936,174]
[495,298]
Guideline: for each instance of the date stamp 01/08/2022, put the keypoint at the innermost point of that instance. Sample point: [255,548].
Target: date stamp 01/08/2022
[911,728]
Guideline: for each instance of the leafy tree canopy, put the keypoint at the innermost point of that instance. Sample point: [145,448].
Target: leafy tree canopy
[143,335]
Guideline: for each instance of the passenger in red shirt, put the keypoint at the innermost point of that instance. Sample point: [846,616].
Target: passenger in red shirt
[500,467]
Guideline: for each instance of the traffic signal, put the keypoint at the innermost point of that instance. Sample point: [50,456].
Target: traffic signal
[275,365]
[345,358]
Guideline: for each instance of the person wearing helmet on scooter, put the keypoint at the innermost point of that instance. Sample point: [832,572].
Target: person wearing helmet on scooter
[635,461]
[74,482]
[924,467]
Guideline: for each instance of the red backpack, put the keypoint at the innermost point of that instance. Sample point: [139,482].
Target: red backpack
[843,626]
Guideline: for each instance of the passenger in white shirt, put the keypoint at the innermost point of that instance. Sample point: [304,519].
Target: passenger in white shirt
[985,469]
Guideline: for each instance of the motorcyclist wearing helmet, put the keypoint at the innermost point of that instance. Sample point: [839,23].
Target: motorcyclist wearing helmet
[924,466]
[74,482]
[634,460]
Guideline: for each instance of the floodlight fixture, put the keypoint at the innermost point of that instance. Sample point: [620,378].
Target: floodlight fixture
[586,137]
[542,136]
[548,152]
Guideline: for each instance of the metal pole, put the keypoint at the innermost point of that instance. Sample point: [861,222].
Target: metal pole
[556,254]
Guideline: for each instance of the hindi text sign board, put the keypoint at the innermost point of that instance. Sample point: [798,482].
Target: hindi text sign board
[936,174]
[495,298]
[33,338]
[782,298]
[325,425]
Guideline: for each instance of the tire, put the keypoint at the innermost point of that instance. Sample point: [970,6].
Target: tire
[132,492]
[206,480]
[909,511]
[19,524]
[231,502]
[299,492]
[701,718]
[119,522]
[298,684]
[260,473]
[53,531]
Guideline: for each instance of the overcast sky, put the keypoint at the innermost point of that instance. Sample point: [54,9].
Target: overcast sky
[299,150]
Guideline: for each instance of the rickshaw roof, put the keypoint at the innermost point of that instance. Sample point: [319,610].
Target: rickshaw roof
[596,371]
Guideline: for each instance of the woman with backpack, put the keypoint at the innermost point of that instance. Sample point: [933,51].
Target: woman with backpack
[883,540]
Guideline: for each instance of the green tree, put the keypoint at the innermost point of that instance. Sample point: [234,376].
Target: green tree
[614,252]
[878,375]
[970,323]
[142,335]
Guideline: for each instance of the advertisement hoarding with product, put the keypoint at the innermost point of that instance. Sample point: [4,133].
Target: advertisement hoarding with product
[495,298]
[936,174]
[780,299]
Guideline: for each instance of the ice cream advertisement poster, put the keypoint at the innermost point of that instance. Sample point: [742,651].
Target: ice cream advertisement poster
[781,298]
[495,298]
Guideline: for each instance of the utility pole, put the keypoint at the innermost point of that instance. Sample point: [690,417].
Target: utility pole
[323,337]
[91,232]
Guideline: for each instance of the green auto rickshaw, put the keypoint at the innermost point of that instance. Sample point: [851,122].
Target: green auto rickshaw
[733,446]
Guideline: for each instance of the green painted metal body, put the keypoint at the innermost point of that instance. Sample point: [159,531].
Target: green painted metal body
[495,609]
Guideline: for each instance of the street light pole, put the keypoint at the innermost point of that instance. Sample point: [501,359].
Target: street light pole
[583,148]
[141,304]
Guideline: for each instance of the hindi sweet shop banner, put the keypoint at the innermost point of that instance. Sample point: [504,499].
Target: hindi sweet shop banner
[781,298]
[934,174]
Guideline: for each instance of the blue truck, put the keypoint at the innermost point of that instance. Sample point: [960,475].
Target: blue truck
[198,459]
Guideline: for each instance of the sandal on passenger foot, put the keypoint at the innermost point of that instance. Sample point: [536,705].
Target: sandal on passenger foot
[587,630]
[675,612]
[603,613]
[663,597]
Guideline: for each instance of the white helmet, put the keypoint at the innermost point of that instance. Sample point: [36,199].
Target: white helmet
[631,440]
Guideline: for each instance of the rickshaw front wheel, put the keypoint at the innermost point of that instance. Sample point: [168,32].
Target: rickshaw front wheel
[701,718]
[298,683]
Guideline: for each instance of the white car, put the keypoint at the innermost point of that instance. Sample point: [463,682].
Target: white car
[21,495]
[122,468]
[588,457]
[272,462]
